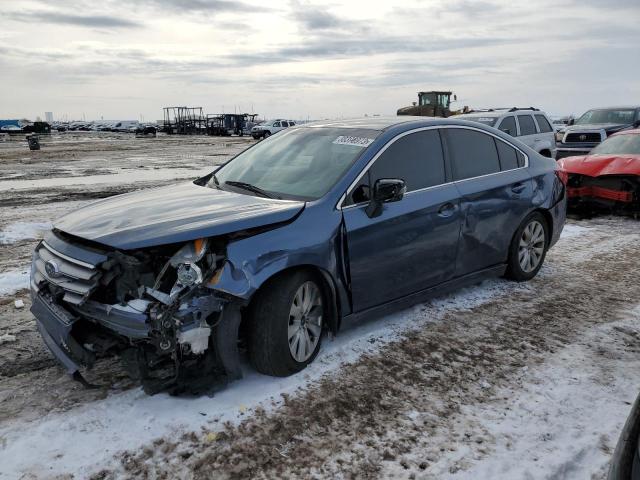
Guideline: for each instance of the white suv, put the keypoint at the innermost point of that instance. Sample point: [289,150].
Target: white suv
[529,125]
[265,129]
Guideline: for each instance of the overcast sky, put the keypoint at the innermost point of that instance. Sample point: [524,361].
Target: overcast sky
[117,59]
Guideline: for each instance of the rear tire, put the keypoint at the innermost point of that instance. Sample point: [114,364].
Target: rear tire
[285,324]
[528,248]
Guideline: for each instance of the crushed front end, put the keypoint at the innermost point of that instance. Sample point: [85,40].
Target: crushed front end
[619,193]
[153,307]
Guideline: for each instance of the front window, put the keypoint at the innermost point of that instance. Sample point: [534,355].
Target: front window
[624,144]
[301,163]
[607,116]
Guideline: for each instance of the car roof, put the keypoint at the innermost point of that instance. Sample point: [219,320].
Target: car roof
[621,107]
[500,113]
[375,123]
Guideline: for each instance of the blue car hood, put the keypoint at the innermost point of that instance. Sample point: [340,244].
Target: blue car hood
[173,214]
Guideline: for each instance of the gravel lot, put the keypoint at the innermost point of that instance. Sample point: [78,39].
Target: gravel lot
[501,380]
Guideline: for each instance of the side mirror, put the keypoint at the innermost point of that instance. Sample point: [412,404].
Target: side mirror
[571,121]
[385,190]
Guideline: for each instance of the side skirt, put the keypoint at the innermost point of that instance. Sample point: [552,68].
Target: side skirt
[423,295]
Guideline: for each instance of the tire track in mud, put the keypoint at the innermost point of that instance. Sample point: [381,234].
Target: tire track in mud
[373,416]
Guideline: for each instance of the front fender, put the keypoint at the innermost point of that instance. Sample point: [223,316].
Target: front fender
[312,240]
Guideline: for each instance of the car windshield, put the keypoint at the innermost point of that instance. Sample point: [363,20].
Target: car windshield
[606,116]
[297,163]
[489,121]
[626,144]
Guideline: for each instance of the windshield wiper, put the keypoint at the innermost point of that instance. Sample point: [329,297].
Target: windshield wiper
[251,188]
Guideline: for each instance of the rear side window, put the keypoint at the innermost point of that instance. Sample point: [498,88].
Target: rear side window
[416,158]
[508,125]
[285,124]
[508,156]
[472,153]
[527,127]
[543,123]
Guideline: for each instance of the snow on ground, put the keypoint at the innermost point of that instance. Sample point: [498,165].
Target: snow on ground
[130,419]
[123,177]
[13,280]
[18,231]
[539,425]
[574,230]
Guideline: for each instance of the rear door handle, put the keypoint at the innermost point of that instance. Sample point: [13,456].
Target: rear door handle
[518,187]
[446,209]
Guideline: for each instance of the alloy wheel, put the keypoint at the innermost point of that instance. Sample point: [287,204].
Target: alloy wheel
[305,321]
[531,246]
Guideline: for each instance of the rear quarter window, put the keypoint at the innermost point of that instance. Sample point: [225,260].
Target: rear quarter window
[508,156]
[508,125]
[472,153]
[527,127]
[543,123]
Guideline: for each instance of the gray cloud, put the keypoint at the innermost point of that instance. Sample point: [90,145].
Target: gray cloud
[340,46]
[199,6]
[314,18]
[93,21]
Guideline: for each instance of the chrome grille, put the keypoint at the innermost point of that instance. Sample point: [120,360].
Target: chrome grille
[75,277]
[583,137]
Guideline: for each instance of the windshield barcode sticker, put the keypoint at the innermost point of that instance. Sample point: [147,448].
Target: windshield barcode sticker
[355,141]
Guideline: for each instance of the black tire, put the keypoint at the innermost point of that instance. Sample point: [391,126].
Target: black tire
[515,271]
[266,134]
[268,341]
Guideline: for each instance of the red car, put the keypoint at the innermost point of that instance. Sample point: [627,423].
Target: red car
[609,176]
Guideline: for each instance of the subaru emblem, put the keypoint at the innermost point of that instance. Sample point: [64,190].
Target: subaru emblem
[52,269]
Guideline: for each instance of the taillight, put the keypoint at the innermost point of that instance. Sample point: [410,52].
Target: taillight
[563,176]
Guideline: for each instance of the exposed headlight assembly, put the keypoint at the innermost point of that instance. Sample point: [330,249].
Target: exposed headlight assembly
[188,272]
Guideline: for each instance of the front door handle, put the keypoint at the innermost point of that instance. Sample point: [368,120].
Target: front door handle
[518,187]
[446,210]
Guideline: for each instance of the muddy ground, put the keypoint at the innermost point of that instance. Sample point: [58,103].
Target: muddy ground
[530,381]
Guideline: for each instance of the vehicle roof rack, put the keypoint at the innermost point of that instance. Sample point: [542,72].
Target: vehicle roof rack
[513,109]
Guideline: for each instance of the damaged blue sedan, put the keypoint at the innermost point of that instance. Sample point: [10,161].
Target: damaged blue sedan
[317,226]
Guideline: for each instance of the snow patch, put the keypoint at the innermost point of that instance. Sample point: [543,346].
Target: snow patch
[13,280]
[565,419]
[573,230]
[16,232]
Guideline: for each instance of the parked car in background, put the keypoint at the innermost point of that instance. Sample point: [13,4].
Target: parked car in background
[308,230]
[560,122]
[531,126]
[593,127]
[269,127]
[609,176]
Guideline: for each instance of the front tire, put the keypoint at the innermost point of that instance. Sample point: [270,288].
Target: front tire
[266,134]
[286,324]
[528,248]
